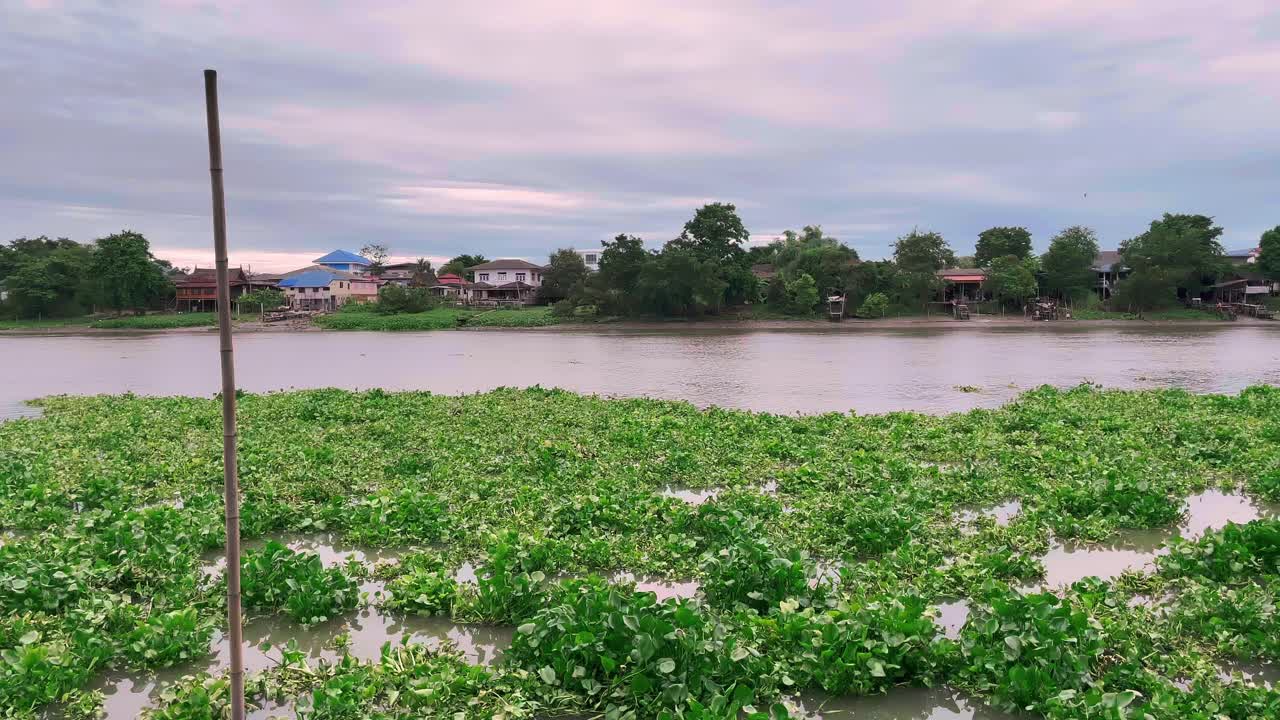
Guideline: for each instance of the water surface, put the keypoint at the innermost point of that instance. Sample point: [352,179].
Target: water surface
[806,371]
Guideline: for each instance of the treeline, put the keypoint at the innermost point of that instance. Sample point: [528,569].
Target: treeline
[708,268]
[62,278]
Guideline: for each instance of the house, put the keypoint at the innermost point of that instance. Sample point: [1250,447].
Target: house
[506,280]
[962,284]
[591,257]
[1109,271]
[764,272]
[448,284]
[327,290]
[1243,256]
[344,261]
[404,273]
[197,291]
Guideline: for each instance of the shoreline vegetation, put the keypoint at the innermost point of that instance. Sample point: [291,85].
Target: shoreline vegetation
[542,318]
[824,550]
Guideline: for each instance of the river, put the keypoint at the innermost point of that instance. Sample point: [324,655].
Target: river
[933,370]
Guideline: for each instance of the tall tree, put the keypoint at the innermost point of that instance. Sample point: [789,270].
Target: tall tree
[564,277]
[1000,242]
[125,274]
[621,264]
[1012,279]
[1269,259]
[422,275]
[715,233]
[828,262]
[458,266]
[47,278]
[1068,264]
[678,282]
[377,255]
[1183,248]
[922,252]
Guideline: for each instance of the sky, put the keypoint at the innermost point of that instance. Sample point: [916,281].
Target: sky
[513,129]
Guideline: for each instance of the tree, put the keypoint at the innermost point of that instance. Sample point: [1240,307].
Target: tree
[124,273]
[394,299]
[1068,264]
[621,265]
[458,266]
[876,305]
[1012,279]
[46,278]
[422,274]
[564,277]
[868,278]
[802,295]
[715,233]
[377,255]
[922,252]
[827,260]
[1269,258]
[262,298]
[1000,242]
[678,282]
[1184,249]
[1152,288]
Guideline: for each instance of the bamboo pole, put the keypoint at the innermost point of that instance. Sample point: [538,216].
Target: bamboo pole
[229,471]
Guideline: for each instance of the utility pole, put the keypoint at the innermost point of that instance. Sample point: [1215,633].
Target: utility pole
[235,633]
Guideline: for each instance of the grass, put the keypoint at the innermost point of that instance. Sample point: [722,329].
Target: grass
[438,319]
[1155,315]
[537,485]
[43,323]
[157,321]
[153,321]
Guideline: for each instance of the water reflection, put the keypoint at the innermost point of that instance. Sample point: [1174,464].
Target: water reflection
[898,704]
[693,496]
[819,369]
[1070,561]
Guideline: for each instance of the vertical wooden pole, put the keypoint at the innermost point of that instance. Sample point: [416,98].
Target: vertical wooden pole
[229,470]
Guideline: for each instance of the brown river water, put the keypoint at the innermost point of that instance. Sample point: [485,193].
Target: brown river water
[788,371]
[809,371]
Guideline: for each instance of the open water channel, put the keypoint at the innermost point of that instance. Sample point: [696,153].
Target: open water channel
[930,370]
[934,369]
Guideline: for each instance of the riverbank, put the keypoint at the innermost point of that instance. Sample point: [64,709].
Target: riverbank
[770,555]
[537,320]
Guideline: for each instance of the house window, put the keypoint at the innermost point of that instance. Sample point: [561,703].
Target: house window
[484,277]
[591,258]
[502,276]
[519,277]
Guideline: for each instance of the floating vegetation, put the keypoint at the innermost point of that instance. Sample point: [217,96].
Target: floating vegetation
[514,554]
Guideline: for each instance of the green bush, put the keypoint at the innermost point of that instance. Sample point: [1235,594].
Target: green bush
[1024,650]
[278,578]
[876,305]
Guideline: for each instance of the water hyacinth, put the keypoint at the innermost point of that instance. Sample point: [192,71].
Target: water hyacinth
[818,552]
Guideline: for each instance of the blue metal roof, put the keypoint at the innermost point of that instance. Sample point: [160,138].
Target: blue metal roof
[1243,252]
[342,256]
[315,278]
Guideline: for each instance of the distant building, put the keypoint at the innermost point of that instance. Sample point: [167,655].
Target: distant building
[327,290]
[197,291]
[449,284]
[963,284]
[344,261]
[1243,256]
[591,257]
[1109,271]
[505,279]
[764,272]
[403,274]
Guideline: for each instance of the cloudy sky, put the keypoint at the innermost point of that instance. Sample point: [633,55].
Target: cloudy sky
[514,129]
